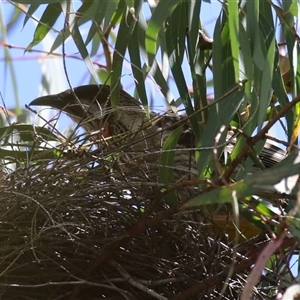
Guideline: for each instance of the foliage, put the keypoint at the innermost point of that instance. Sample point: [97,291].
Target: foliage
[73,215]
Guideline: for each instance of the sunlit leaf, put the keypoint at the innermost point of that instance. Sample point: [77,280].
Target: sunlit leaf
[233,21]
[85,13]
[158,18]
[48,19]
[137,70]
[77,37]
[126,28]
[37,1]
[166,169]
[32,8]
[28,133]
[266,83]
[253,183]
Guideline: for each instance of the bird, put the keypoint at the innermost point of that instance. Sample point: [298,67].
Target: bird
[90,107]
[141,136]
[129,124]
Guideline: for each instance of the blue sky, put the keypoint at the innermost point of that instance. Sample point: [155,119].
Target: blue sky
[26,66]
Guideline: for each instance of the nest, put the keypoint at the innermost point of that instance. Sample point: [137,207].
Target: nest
[93,226]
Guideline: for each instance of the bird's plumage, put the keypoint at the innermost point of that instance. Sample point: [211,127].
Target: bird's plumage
[90,107]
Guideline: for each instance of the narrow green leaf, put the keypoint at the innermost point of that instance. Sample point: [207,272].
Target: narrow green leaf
[263,207]
[175,44]
[254,33]
[294,228]
[13,155]
[32,8]
[139,74]
[221,195]
[48,19]
[278,87]
[233,21]
[271,177]
[127,26]
[96,12]
[163,10]
[290,11]
[114,11]
[161,81]
[85,13]
[266,84]
[27,132]
[196,60]
[76,34]
[297,71]
[293,9]
[223,70]
[219,114]
[252,22]
[218,59]
[193,28]
[104,76]
[253,183]
[246,52]
[35,1]
[293,57]
[129,3]
[166,169]
[142,26]
[94,36]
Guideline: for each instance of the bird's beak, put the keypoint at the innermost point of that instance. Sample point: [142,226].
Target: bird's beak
[54,101]
[67,103]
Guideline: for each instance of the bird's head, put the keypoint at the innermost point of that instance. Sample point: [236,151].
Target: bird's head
[90,107]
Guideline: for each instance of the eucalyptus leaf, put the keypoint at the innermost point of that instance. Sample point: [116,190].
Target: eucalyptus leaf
[27,133]
[48,19]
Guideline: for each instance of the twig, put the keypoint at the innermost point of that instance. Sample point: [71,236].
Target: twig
[135,283]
